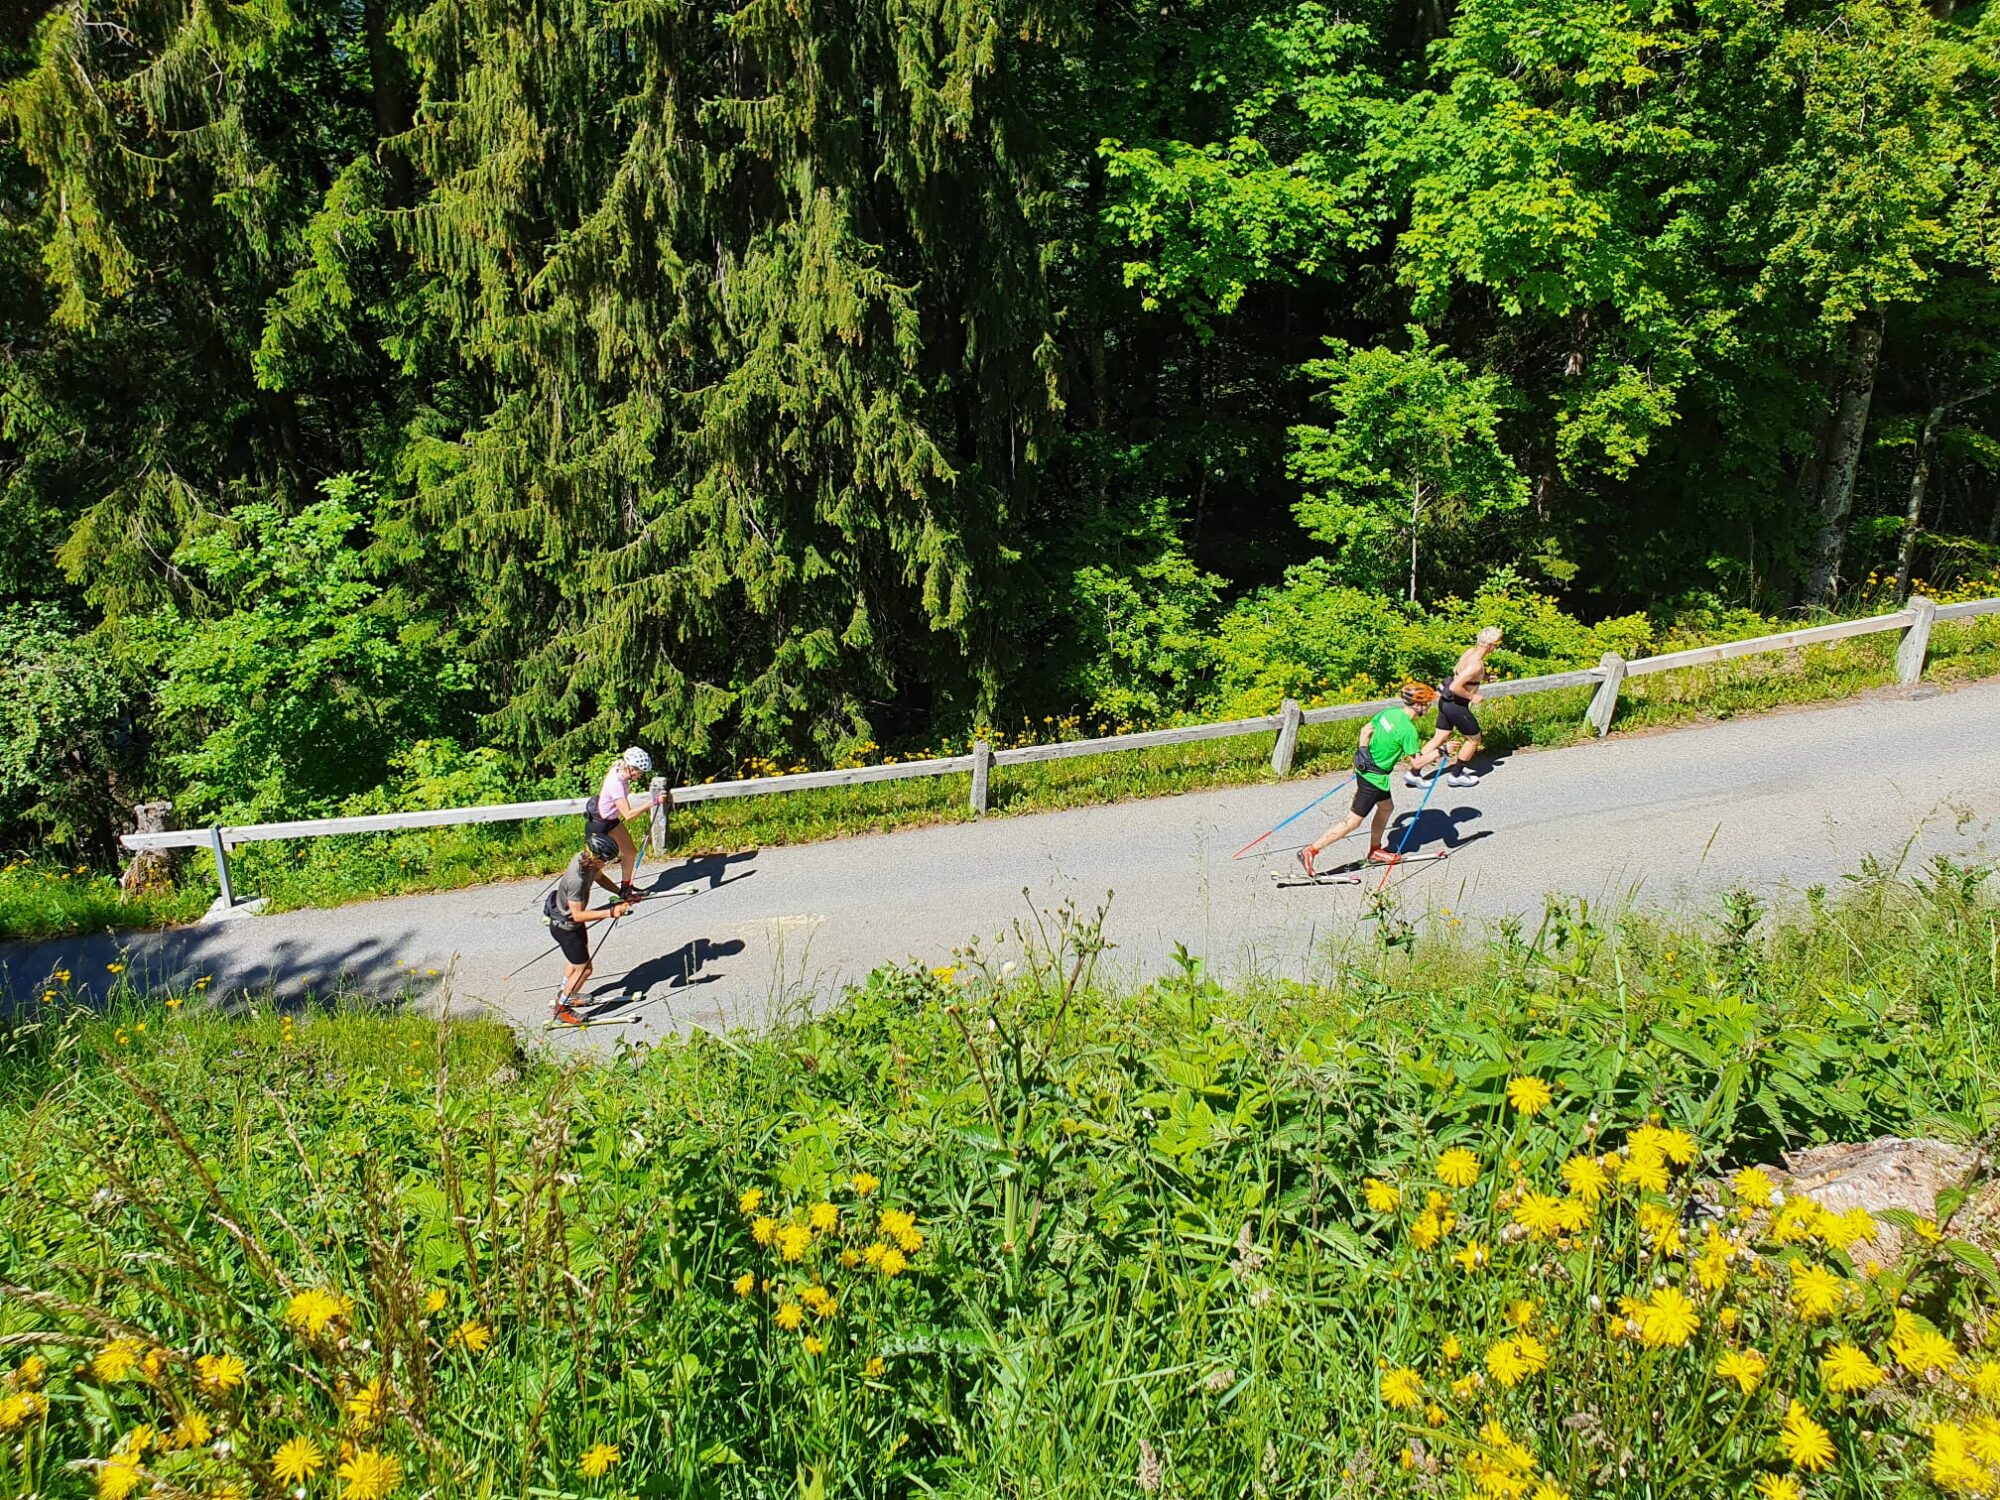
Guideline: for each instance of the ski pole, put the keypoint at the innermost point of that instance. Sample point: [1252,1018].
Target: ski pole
[1413,826]
[1299,814]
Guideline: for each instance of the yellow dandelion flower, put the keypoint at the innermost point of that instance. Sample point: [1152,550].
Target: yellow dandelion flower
[1585,1178]
[219,1372]
[1846,1369]
[1927,1230]
[600,1458]
[748,1203]
[1472,1257]
[1743,1366]
[1466,1386]
[865,1183]
[1982,1436]
[1513,1360]
[154,1364]
[30,1373]
[1983,1379]
[1796,1222]
[368,1405]
[1521,1312]
[850,1258]
[1953,1465]
[192,1431]
[18,1408]
[1667,1319]
[1644,1169]
[116,1360]
[473,1336]
[1434,1415]
[434,1301]
[1727,1318]
[1661,1227]
[1919,1347]
[1380,1196]
[1458,1168]
[875,1367]
[874,1253]
[1806,1444]
[1816,1291]
[814,1344]
[1529,1095]
[119,1476]
[1847,1230]
[793,1241]
[1451,1348]
[895,1222]
[824,1218]
[745,1284]
[314,1310]
[893,1263]
[1678,1146]
[367,1474]
[1403,1389]
[297,1461]
[1540,1214]
[1780,1487]
[789,1316]
[764,1229]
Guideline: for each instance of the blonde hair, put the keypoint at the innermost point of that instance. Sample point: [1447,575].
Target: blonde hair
[1490,636]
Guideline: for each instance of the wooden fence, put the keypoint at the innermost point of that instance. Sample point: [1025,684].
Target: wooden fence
[1607,676]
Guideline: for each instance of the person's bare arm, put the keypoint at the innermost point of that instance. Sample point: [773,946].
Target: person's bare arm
[607,882]
[1465,679]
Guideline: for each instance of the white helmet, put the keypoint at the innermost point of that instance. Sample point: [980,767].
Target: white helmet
[638,760]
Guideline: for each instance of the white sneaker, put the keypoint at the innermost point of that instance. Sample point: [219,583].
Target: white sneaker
[1461,778]
[1411,778]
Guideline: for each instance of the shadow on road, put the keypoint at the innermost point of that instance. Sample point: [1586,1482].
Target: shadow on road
[712,868]
[1435,825]
[686,965]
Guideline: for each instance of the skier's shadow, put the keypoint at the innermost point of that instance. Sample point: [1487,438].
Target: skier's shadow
[1439,825]
[676,970]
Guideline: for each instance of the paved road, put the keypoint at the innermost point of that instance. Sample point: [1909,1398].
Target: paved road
[1772,803]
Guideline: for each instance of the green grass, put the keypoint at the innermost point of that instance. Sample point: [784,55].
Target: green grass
[328,872]
[1140,1254]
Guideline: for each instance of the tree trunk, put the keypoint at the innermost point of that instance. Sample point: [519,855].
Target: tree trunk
[1835,500]
[1913,516]
[392,101]
[1416,505]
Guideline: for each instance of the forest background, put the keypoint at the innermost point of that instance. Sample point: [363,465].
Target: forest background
[419,397]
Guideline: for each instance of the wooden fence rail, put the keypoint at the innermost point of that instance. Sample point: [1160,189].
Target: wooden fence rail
[1914,622]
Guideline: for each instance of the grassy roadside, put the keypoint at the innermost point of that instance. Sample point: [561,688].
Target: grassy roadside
[36,902]
[1455,1217]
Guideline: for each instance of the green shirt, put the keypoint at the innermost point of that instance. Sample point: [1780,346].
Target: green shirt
[1392,736]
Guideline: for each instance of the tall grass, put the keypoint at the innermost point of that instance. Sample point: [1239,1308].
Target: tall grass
[991,1230]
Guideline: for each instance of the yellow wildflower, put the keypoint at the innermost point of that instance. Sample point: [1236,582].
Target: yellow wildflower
[789,1316]
[745,1284]
[1381,1197]
[1403,1389]
[1780,1487]
[434,1301]
[29,1374]
[1846,1369]
[219,1372]
[793,1241]
[1472,1257]
[1521,1312]
[1644,1169]
[763,1229]
[315,1309]
[874,1368]
[1451,1348]
[1667,1319]
[1807,1445]
[1678,1146]
[1816,1291]
[1540,1214]
[1928,1231]
[297,1461]
[473,1336]
[874,1253]
[1662,1227]
[814,1344]
[1434,1415]
[1919,1347]
[598,1459]
[824,1218]
[893,1263]
[1585,1178]
[18,1408]
[119,1476]
[1458,1168]
[192,1431]
[751,1200]
[1744,1366]
[1953,1466]
[367,1474]
[1528,1094]
[116,1360]
[850,1258]
[1849,1229]
[1512,1360]
[865,1183]
[1796,1222]
[1573,1215]
[368,1405]
[1983,1378]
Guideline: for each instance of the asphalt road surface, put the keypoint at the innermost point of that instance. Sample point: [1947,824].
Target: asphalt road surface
[1773,803]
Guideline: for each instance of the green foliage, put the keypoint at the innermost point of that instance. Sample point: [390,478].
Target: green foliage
[307,686]
[1139,1222]
[63,708]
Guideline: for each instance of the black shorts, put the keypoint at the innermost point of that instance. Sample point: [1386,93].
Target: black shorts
[1457,715]
[1367,797]
[575,946]
[594,824]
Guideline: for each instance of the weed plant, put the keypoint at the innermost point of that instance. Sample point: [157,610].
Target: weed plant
[1466,1219]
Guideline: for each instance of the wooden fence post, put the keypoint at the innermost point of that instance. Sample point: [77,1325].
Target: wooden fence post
[656,832]
[1916,640]
[1288,738]
[1605,702]
[982,775]
[151,869]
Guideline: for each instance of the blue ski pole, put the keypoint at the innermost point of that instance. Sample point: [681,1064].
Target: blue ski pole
[1294,817]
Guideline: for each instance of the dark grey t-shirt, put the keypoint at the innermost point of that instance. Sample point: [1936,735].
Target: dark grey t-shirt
[574,884]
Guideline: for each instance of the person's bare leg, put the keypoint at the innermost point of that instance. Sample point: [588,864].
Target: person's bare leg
[1379,829]
[1333,835]
[628,853]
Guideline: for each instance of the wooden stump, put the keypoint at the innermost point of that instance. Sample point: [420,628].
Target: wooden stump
[151,872]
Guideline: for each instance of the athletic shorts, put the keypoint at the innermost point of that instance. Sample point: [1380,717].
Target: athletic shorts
[1458,716]
[594,824]
[1367,797]
[575,946]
